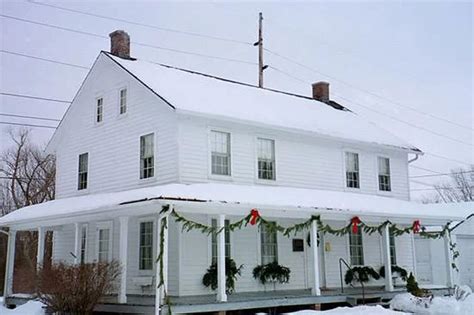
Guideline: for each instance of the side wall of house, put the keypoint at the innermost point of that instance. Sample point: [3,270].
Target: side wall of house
[301,161]
[114,144]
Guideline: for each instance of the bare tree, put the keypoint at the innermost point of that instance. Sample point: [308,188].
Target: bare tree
[460,187]
[27,177]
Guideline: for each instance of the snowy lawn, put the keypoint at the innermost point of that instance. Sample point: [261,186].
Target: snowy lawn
[358,310]
[438,306]
[29,308]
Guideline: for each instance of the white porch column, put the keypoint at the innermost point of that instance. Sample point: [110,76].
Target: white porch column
[449,261]
[315,290]
[77,243]
[40,253]
[123,255]
[160,292]
[157,269]
[221,276]
[386,258]
[10,263]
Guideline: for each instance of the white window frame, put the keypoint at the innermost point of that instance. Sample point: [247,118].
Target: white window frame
[210,240]
[81,190]
[360,232]
[127,97]
[104,225]
[152,178]
[97,110]
[377,174]
[209,152]
[257,178]
[349,150]
[153,247]
[260,258]
[82,249]
[393,258]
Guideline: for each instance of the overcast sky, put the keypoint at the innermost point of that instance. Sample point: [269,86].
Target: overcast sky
[411,55]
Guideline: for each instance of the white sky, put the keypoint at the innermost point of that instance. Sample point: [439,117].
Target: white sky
[415,54]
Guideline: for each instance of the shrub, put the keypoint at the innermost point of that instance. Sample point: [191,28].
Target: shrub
[395,269]
[232,272]
[414,289]
[362,274]
[272,272]
[75,289]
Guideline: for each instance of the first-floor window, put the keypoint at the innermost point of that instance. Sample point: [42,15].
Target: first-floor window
[146,245]
[393,254]
[269,245]
[214,240]
[82,171]
[104,244]
[147,156]
[83,243]
[356,248]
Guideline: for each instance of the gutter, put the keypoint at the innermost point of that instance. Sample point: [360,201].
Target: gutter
[417,155]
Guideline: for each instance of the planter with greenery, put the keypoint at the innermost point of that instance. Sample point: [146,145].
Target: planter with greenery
[231,270]
[402,273]
[361,274]
[272,272]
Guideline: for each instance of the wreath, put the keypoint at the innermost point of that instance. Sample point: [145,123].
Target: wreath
[272,272]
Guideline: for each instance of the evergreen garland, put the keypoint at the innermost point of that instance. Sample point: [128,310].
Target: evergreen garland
[231,270]
[360,273]
[395,269]
[272,272]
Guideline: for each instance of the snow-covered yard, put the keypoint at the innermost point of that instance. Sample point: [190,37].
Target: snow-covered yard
[438,306]
[359,310]
[30,308]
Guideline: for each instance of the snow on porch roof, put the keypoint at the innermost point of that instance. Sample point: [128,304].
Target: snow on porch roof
[195,93]
[268,196]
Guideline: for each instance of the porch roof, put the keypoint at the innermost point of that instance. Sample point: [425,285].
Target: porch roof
[291,199]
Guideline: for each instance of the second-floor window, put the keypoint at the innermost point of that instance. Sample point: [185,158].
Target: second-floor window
[356,249]
[220,153]
[352,170]
[100,110]
[82,171]
[146,245]
[266,158]
[214,240]
[123,101]
[384,174]
[147,156]
[269,245]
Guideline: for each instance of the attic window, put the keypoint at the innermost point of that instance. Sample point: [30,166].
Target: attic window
[123,101]
[100,110]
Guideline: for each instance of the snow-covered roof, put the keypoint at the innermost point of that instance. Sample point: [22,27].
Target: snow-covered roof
[194,93]
[308,200]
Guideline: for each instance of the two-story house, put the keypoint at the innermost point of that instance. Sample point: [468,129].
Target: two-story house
[145,149]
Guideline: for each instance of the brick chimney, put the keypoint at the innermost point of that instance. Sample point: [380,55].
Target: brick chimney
[120,44]
[321,91]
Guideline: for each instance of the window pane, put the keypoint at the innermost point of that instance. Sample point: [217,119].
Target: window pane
[269,246]
[147,156]
[104,241]
[384,174]
[123,101]
[82,171]
[146,245]
[214,240]
[352,169]
[393,255]
[100,109]
[356,249]
[266,159]
[83,243]
[220,153]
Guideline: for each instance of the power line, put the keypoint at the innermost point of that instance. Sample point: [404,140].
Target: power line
[26,125]
[366,91]
[441,174]
[35,97]
[165,29]
[136,43]
[446,158]
[425,169]
[29,117]
[406,122]
[43,59]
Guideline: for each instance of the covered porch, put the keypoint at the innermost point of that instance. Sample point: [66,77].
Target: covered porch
[168,284]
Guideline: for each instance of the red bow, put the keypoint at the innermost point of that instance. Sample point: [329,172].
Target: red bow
[416,226]
[254,215]
[355,221]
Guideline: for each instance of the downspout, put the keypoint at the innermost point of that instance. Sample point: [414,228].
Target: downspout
[414,159]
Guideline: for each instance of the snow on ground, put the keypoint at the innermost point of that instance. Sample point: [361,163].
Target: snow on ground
[442,305]
[29,308]
[358,310]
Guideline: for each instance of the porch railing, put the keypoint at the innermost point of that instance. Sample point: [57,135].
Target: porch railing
[341,262]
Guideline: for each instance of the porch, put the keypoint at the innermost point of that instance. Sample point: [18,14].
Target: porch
[185,291]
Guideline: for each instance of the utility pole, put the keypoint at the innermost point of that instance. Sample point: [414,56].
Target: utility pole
[261,67]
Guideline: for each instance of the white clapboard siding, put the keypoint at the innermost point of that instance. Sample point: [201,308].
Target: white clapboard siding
[302,161]
[113,145]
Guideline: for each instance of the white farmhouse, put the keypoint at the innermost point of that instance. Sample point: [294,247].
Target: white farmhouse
[145,144]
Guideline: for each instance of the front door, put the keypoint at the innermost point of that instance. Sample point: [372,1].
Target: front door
[424,273]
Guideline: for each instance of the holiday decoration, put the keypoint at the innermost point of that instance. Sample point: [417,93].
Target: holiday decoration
[254,215]
[416,226]
[272,272]
[361,274]
[355,221]
[395,269]
[231,270]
